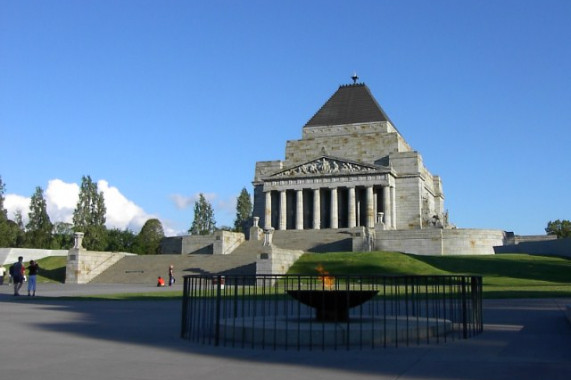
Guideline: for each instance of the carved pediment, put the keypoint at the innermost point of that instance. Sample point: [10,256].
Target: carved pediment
[327,166]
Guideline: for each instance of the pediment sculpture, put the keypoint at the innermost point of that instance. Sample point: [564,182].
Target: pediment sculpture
[325,166]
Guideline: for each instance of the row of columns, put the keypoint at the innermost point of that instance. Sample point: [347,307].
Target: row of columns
[334,222]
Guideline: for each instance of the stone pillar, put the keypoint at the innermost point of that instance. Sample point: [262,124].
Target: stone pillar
[268,211]
[387,208]
[334,212]
[283,211]
[78,240]
[255,231]
[299,209]
[370,208]
[316,209]
[394,208]
[352,214]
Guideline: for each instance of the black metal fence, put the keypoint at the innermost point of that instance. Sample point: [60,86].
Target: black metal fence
[330,311]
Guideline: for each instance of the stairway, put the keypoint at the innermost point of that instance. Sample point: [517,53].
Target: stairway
[146,269]
[326,240]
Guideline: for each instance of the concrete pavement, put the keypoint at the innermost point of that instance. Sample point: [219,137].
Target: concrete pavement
[51,338]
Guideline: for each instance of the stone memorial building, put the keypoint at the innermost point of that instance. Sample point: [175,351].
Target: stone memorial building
[352,167]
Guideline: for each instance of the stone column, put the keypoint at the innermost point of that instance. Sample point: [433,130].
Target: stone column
[334,212]
[352,215]
[370,208]
[268,211]
[299,209]
[387,208]
[394,208]
[316,209]
[283,211]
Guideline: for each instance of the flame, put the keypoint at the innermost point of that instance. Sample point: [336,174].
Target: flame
[327,281]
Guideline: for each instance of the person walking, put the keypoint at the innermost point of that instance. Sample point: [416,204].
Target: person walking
[17,277]
[32,273]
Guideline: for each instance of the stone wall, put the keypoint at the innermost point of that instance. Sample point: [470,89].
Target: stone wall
[83,266]
[545,246]
[225,242]
[434,241]
[408,198]
[219,243]
[274,260]
[361,142]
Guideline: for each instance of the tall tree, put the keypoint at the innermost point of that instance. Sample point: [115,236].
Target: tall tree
[19,221]
[89,215]
[561,228]
[150,237]
[3,212]
[39,227]
[121,241]
[243,211]
[63,235]
[203,223]
[7,231]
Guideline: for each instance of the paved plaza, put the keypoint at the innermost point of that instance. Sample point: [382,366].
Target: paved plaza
[50,338]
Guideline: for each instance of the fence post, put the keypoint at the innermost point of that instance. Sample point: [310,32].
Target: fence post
[218,302]
[464,311]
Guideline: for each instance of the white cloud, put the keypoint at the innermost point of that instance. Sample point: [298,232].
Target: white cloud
[182,202]
[14,202]
[61,200]
[121,212]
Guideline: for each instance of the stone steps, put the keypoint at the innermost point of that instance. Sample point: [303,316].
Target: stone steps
[146,269]
[327,240]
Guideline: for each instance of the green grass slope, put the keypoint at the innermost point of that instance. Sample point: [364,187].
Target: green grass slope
[505,275]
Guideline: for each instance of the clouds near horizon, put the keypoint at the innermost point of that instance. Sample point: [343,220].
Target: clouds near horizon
[122,213]
[61,200]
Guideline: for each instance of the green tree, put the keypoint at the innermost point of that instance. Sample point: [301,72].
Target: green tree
[561,228]
[243,211]
[150,237]
[203,223]
[21,238]
[3,212]
[9,233]
[39,227]
[121,240]
[8,230]
[89,215]
[63,235]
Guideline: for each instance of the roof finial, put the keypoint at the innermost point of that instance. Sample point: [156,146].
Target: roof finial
[354,77]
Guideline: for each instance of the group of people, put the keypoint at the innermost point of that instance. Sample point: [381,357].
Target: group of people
[18,275]
[172,280]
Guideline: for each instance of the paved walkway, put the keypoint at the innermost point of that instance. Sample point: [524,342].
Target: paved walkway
[63,339]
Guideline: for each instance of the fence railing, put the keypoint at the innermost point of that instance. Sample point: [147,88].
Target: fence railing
[330,311]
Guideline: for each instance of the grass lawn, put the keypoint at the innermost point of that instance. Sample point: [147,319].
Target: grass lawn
[504,275]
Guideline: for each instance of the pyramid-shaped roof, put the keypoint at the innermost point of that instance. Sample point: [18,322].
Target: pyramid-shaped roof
[350,104]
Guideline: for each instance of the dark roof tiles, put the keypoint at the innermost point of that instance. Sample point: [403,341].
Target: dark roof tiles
[350,104]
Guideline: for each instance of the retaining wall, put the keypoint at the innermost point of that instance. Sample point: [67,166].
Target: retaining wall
[436,242]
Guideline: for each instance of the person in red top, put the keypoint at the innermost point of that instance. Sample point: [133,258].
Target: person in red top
[160,281]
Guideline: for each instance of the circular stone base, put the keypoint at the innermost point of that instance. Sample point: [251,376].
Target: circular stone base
[306,331]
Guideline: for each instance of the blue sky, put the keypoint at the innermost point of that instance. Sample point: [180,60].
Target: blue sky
[159,101]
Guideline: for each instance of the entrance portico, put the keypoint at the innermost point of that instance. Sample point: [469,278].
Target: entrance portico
[329,193]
